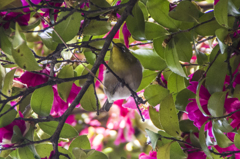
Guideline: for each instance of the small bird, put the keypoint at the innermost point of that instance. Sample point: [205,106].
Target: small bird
[125,66]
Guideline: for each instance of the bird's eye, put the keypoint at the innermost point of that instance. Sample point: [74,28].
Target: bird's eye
[123,49]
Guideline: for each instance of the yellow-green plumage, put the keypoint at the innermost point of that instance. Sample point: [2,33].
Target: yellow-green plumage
[128,68]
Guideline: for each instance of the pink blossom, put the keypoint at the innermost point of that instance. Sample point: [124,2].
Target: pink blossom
[60,106]
[126,34]
[8,17]
[100,75]
[193,111]
[6,132]
[120,120]
[231,105]
[96,136]
[152,155]
[132,105]
[197,155]
[33,79]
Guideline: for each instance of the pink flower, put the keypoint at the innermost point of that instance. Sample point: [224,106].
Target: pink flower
[197,155]
[120,120]
[96,136]
[193,111]
[8,17]
[6,132]
[233,104]
[126,34]
[132,105]
[100,75]
[152,155]
[33,79]
[60,106]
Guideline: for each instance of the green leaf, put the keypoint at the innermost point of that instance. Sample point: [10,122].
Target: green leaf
[24,58]
[31,25]
[17,134]
[202,141]
[80,142]
[154,94]
[5,3]
[208,28]
[90,56]
[153,137]
[216,104]
[236,93]
[25,152]
[2,76]
[47,39]
[149,58]
[44,150]
[216,74]
[198,98]
[176,83]
[185,11]
[42,100]
[221,35]
[18,40]
[153,31]
[158,47]
[172,59]
[7,118]
[187,126]
[97,28]
[98,155]
[164,151]
[7,84]
[67,131]
[224,125]
[237,140]
[147,78]
[144,10]
[30,136]
[194,140]
[168,116]
[182,99]
[135,23]
[79,154]
[176,151]
[6,44]
[68,28]
[5,154]
[221,13]
[183,48]
[88,101]
[159,10]
[65,88]
[155,118]
[222,140]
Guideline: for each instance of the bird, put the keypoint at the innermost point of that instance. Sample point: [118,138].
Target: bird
[127,68]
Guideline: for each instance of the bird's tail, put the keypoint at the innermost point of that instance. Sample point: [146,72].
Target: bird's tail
[107,106]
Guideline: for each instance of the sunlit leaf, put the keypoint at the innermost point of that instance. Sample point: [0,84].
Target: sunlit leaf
[68,28]
[65,87]
[154,94]
[42,100]
[168,116]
